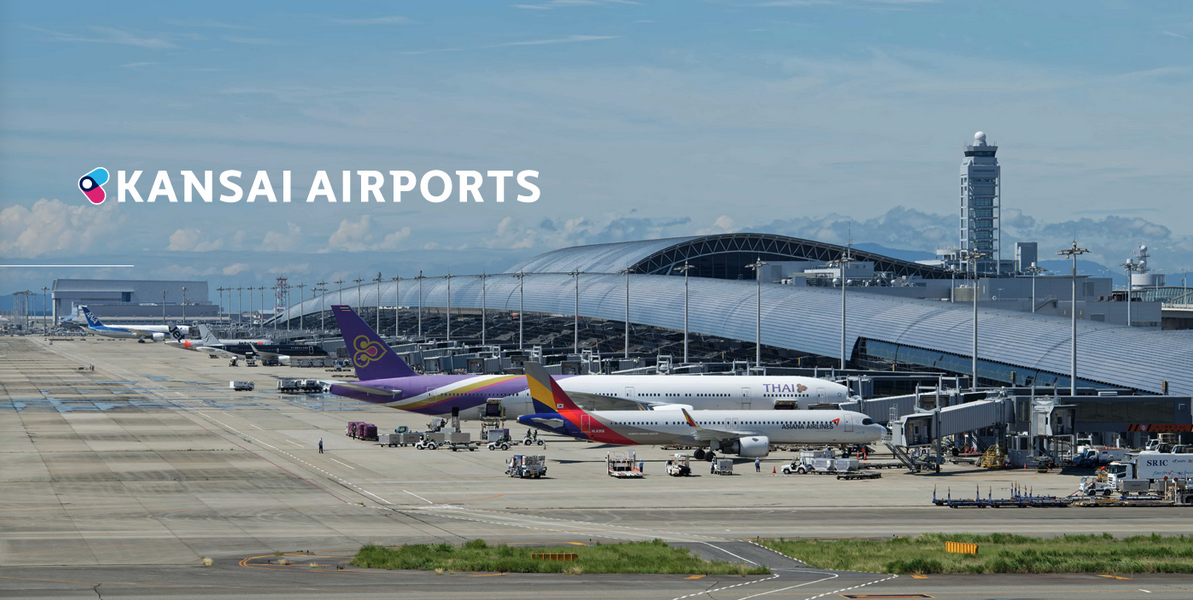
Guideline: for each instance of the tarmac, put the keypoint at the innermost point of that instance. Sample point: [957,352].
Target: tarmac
[131,474]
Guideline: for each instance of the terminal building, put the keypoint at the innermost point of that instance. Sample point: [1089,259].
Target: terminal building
[133,301]
[884,330]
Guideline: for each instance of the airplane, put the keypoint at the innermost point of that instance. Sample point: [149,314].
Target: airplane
[155,333]
[385,379]
[746,433]
[227,348]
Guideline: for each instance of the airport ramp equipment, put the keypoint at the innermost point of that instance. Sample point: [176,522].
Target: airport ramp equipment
[921,429]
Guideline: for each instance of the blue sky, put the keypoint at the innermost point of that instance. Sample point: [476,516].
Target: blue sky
[643,119]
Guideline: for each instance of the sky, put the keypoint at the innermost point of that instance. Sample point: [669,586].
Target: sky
[824,119]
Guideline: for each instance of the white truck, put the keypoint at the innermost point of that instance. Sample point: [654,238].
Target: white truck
[1148,471]
[820,461]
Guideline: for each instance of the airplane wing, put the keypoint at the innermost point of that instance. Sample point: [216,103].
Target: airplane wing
[591,402]
[370,390]
[216,351]
[548,422]
[705,434]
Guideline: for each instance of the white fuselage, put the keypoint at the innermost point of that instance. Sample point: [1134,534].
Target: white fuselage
[778,426]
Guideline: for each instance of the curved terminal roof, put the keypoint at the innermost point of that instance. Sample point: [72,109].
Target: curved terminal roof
[722,254]
[807,319]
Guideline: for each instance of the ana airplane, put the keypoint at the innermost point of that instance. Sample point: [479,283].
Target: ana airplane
[387,380]
[747,433]
[156,333]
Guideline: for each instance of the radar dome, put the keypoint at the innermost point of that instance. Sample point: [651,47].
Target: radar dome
[1143,247]
[980,138]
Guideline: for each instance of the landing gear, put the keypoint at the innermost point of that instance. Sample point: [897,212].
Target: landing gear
[698,454]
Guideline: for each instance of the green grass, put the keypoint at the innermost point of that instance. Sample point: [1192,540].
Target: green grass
[639,557]
[998,553]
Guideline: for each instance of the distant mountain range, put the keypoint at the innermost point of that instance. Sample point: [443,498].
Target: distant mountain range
[1055,267]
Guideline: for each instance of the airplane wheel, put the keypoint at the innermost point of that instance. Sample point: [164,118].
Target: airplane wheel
[699,454]
[710,456]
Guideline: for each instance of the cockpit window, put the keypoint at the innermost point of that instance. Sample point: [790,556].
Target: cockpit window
[867,421]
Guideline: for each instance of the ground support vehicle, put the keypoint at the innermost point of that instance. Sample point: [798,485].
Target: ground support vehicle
[526,466]
[622,466]
[859,475]
[679,466]
[821,462]
[240,386]
[430,441]
[499,439]
[722,466]
[457,440]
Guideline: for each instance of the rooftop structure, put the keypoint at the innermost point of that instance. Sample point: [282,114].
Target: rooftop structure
[981,210]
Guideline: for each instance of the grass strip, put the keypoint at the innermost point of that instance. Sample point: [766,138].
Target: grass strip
[998,553]
[639,557]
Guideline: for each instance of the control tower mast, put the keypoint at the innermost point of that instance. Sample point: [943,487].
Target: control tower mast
[981,210]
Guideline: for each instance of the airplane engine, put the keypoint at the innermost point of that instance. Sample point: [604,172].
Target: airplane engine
[283,360]
[757,446]
[157,337]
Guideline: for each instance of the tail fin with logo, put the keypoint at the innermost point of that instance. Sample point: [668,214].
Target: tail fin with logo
[370,355]
[548,397]
[206,337]
[92,320]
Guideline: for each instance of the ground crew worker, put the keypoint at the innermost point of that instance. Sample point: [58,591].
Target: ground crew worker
[320,445]
[757,465]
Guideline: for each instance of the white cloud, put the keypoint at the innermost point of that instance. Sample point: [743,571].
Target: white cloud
[106,35]
[192,240]
[51,226]
[290,241]
[291,269]
[352,236]
[238,239]
[235,269]
[723,224]
[395,239]
[564,40]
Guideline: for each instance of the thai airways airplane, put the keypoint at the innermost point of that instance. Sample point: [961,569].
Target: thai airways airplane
[747,433]
[156,333]
[386,379]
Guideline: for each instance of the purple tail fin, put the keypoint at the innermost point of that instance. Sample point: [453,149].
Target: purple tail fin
[370,355]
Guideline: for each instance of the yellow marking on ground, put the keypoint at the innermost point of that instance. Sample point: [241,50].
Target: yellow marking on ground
[578,543]
[1113,577]
[695,577]
[919,576]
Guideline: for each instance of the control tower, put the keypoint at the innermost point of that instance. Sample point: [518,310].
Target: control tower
[980,204]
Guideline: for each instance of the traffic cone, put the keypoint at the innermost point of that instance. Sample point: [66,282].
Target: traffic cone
[773,471]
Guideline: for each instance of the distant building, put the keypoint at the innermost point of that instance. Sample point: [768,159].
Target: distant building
[133,301]
[1026,255]
[981,208]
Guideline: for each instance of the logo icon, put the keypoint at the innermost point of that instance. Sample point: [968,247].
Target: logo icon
[92,185]
[366,351]
[801,388]
[835,422]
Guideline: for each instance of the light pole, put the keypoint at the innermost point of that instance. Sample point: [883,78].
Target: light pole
[262,288]
[1034,269]
[340,294]
[576,318]
[973,258]
[220,315]
[301,299]
[757,266]
[420,279]
[1074,252]
[184,304]
[843,264]
[239,305]
[44,322]
[250,289]
[484,304]
[378,280]
[521,277]
[1131,266]
[684,269]
[359,307]
[626,271]
[397,301]
[448,277]
[163,307]
[322,296]
[277,292]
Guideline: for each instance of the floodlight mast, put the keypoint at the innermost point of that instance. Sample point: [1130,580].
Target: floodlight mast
[576,318]
[1131,266]
[684,269]
[757,266]
[1073,253]
[973,258]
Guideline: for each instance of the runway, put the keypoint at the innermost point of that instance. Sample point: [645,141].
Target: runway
[132,473]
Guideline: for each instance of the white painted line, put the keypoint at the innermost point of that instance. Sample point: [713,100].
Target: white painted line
[791,587]
[345,464]
[729,587]
[255,425]
[729,553]
[296,444]
[419,497]
[1144,591]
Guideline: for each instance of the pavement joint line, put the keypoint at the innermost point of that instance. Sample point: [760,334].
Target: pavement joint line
[728,587]
[851,588]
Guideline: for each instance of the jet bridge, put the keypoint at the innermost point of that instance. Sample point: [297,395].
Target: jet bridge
[924,428]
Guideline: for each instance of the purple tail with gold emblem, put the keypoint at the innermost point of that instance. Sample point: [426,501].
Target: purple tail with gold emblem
[370,355]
